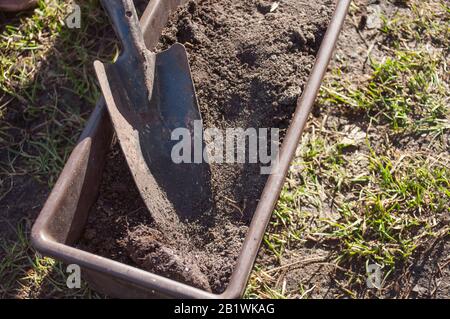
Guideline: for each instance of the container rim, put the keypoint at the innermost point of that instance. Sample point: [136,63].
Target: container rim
[58,248]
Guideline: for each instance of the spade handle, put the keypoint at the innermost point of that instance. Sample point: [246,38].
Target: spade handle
[124,18]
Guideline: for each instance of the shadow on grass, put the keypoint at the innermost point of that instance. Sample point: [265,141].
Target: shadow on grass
[47,90]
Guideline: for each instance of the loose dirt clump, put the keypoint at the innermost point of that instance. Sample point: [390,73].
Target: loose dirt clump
[250,61]
[145,247]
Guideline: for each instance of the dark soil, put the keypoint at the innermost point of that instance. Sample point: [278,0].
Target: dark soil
[313,263]
[249,66]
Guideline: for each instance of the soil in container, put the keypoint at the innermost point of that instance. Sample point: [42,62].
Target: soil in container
[250,61]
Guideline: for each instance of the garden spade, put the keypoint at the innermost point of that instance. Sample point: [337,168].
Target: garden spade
[153,107]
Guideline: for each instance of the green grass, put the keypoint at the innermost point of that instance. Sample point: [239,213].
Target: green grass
[362,191]
[425,22]
[47,90]
[394,213]
[408,90]
[47,81]
[26,274]
[409,87]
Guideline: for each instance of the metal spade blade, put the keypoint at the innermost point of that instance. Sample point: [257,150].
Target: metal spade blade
[152,103]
